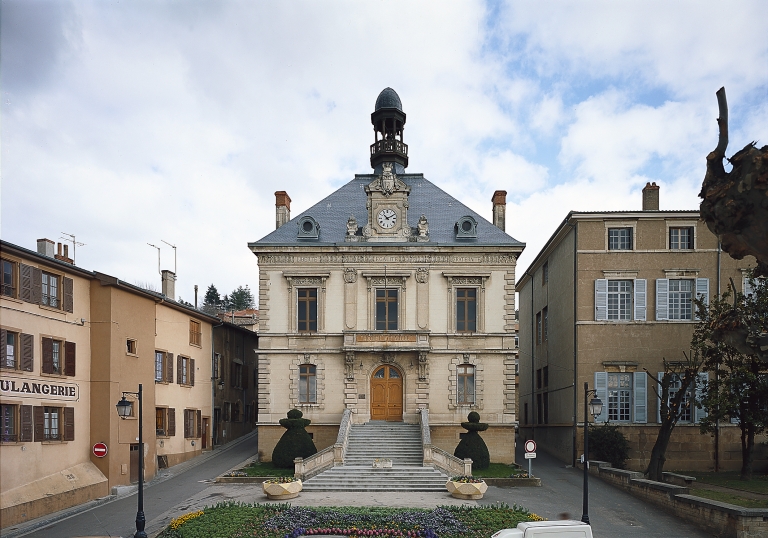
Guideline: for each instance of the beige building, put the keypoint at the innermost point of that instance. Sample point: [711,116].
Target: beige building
[72,341]
[608,297]
[384,298]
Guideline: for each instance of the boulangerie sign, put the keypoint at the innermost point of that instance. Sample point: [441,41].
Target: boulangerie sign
[20,387]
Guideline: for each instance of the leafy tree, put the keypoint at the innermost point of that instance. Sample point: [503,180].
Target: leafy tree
[212,299]
[607,443]
[185,303]
[240,299]
[739,388]
[686,373]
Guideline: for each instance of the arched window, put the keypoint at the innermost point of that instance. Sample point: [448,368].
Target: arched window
[465,384]
[307,384]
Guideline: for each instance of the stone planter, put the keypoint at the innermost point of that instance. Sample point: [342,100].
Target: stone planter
[288,490]
[466,490]
[381,463]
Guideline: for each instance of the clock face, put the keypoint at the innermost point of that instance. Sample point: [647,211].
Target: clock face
[387,218]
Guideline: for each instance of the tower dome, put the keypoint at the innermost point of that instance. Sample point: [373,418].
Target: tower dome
[388,121]
[388,98]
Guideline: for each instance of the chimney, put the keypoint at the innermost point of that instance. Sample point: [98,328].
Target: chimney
[499,208]
[65,256]
[45,247]
[282,208]
[169,284]
[651,197]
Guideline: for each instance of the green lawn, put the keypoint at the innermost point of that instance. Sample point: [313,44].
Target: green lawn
[758,484]
[231,520]
[729,498]
[497,470]
[266,469]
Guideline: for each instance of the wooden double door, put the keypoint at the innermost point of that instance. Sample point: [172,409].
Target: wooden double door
[387,393]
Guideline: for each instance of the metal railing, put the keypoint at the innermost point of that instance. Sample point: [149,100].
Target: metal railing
[389,146]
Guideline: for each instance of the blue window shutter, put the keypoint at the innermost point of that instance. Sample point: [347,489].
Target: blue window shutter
[601,390]
[701,383]
[702,292]
[640,395]
[662,299]
[640,299]
[601,299]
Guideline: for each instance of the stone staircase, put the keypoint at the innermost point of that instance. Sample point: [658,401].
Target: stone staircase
[397,441]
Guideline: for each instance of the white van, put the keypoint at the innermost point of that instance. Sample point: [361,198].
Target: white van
[547,529]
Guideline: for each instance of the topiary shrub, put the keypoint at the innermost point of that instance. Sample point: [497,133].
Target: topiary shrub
[472,445]
[607,443]
[295,443]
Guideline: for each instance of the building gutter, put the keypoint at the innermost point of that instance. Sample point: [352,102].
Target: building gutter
[575,337]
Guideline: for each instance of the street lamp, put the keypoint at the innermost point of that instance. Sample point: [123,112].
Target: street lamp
[124,408]
[594,407]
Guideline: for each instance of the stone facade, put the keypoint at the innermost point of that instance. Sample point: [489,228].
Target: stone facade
[595,270]
[389,274]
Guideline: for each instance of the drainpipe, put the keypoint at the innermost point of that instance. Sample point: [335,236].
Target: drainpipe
[213,384]
[534,336]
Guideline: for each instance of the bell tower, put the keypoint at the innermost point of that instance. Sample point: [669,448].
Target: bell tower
[388,120]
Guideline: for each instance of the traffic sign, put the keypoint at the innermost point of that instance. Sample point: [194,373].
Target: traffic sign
[530,446]
[100,450]
[530,455]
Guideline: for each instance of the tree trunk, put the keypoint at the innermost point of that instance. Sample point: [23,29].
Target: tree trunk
[656,465]
[747,451]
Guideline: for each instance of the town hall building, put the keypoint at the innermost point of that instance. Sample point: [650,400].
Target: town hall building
[385,298]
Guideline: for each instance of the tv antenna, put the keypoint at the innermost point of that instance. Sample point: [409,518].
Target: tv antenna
[75,244]
[158,257]
[174,254]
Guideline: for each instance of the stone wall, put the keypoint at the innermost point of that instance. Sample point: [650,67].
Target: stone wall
[323,436]
[719,519]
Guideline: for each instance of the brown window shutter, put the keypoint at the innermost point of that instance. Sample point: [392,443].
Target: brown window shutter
[37,285]
[199,432]
[67,286]
[38,419]
[231,374]
[27,352]
[25,433]
[47,356]
[3,348]
[169,367]
[69,423]
[179,380]
[171,422]
[192,372]
[70,355]
[186,424]
[245,376]
[25,282]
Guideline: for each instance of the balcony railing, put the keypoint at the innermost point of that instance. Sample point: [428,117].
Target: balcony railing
[389,146]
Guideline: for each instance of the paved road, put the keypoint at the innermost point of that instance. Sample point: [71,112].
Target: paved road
[612,512]
[118,518]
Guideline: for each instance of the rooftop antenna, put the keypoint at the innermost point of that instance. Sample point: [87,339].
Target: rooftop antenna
[174,254]
[75,244]
[158,257]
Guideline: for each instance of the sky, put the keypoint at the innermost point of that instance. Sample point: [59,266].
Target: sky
[128,123]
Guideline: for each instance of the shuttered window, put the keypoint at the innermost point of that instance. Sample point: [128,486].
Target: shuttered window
[9,426]
[9,349]
[50,290]
[195,333]
[192,423]
[171,422]
[9,288]
[674,297]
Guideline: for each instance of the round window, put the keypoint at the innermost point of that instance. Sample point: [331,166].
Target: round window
[307,226]
[466,226]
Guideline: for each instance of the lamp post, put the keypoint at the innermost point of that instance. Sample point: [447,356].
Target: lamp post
[595,407]
[123,411]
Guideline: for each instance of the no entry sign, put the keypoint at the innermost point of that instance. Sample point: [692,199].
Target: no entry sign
[100,450]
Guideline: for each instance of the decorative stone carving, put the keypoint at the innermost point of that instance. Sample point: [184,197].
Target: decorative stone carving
[422,365]
[350,275]
[467,281]
[387,179]
[423,226]
[422,275]
[351,225]
[349,365]
[388,358]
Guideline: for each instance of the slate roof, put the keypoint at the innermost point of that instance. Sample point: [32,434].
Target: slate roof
[441,209]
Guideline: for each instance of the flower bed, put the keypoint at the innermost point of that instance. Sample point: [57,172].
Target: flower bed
[230,520]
